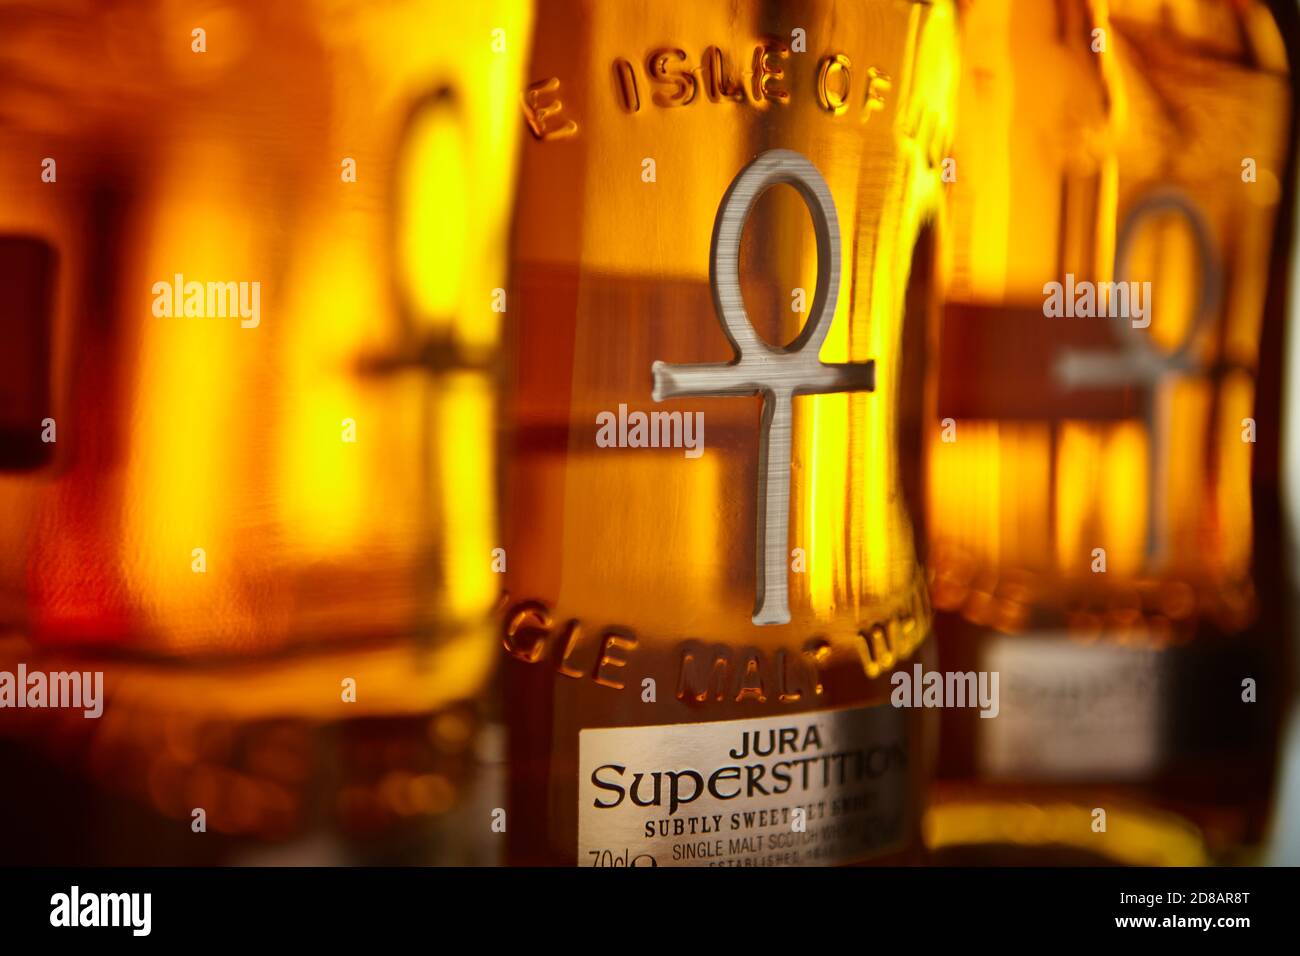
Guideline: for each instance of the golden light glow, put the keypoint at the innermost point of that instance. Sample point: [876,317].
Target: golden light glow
[433,219]
[1134,836]
[1234,531]
[466,412]
[990,491]
[857,530]
[326,483]
[188,467]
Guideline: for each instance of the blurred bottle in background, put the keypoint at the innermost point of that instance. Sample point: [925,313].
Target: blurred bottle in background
[273,530]
[633,642]
[1103,504]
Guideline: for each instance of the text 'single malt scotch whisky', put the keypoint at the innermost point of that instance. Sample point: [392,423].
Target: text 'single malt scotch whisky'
[1102,473]
[716,398]
[247,443]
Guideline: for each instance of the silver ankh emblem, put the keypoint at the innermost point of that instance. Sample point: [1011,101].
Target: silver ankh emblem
[778,374]
[1141,363]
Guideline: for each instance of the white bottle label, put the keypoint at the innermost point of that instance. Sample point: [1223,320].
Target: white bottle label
[808,789]
[1072,711]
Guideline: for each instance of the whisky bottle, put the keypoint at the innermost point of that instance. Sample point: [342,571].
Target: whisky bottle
[272,528]
[1102,500]
[713,409]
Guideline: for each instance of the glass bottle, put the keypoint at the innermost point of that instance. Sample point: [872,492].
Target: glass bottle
[703,615]
[273,530]
[1103,506]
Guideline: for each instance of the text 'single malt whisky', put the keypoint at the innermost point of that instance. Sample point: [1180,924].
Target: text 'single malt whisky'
[1102,481]
[716,391]
[243,511]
